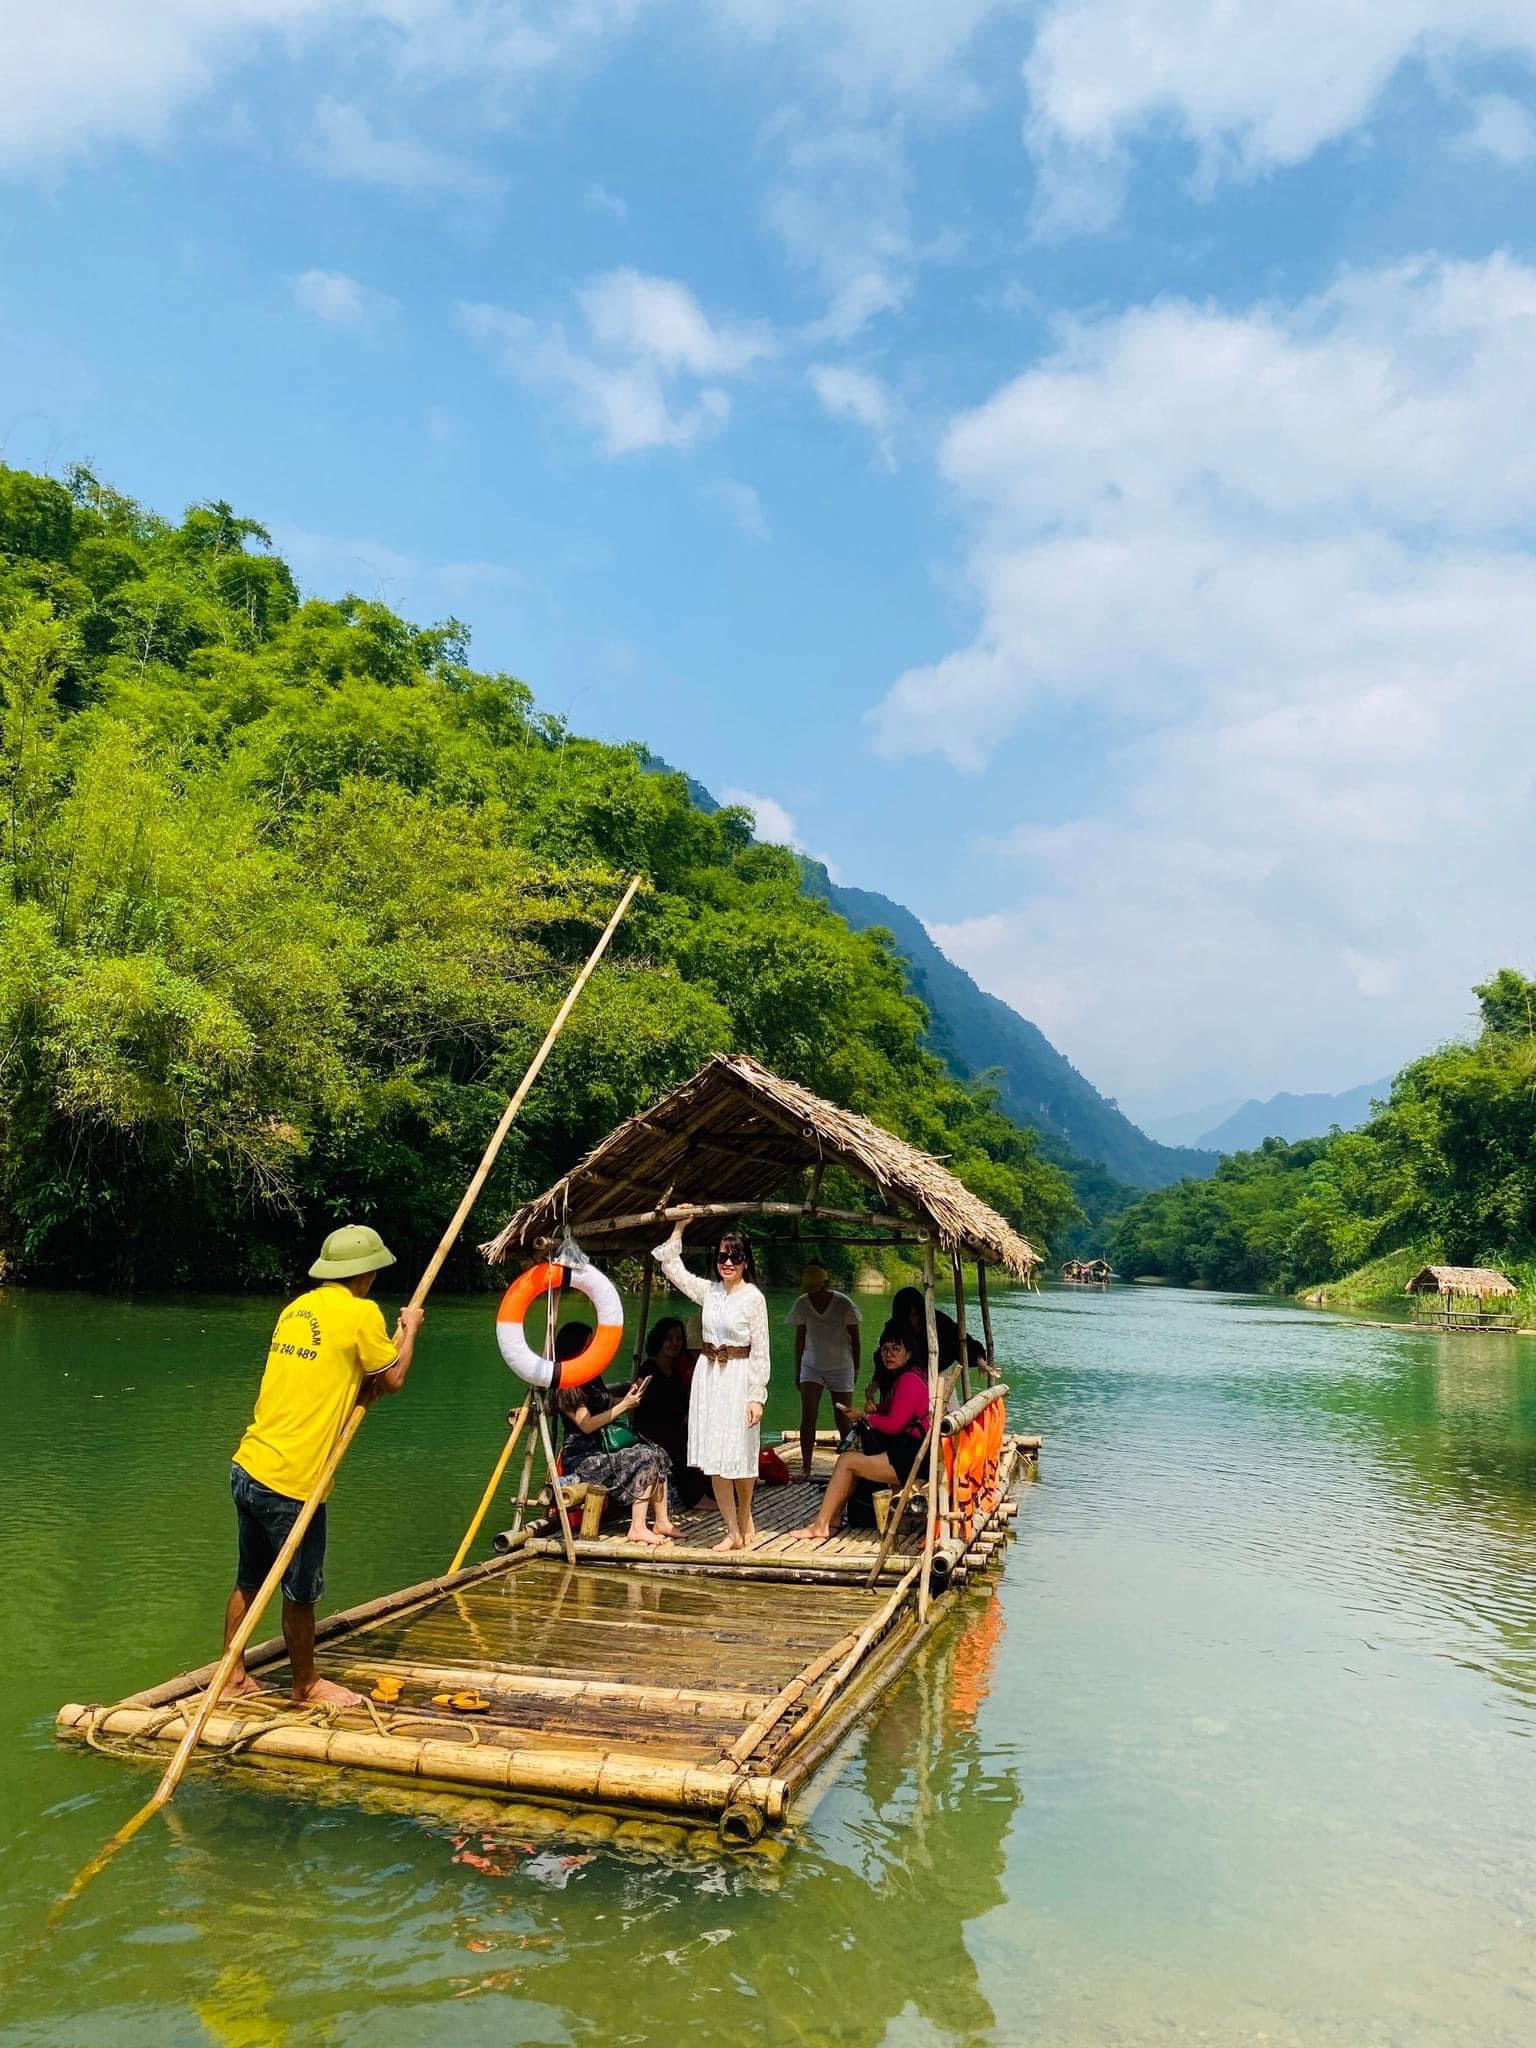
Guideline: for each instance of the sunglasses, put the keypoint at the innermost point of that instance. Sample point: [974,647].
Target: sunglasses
[727,1258]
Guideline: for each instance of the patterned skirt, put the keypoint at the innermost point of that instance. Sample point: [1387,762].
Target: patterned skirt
[626,1475]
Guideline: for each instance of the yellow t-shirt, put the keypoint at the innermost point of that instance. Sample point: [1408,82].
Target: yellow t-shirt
[324,1346]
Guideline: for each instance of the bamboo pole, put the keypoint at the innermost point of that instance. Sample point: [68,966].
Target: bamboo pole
[871,1632]
[608,1776]
[935,1421]
[595,1227]
[787,1697]
[965,1363]
[235,1648]
[554,1482]
[986,1314]
[347,1620]
[645,1314]
[517,1420]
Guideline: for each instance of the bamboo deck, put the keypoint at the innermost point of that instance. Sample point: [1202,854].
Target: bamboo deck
[683,1682]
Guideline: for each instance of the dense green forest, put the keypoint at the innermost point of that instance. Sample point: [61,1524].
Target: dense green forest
[290,891]
[1446,1167]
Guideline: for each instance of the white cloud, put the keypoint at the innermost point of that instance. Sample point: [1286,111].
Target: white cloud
[347,145]
[80,73]
[1502,129]
[741,504]
[660,320]
[1276,567]
[838,203]
[775,825]
[1253,85]
[601,200]
[849,394]
[638,383]
[337,300]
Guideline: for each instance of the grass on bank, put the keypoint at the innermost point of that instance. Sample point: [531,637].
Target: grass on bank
[1383,1283]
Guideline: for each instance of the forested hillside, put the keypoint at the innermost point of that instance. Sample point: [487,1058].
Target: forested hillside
[288,891]
[1447,1168]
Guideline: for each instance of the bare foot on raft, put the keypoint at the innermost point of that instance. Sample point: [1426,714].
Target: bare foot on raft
[242,1684]
[647,1536]
[809,1534]
[727,1543]
[325,1692]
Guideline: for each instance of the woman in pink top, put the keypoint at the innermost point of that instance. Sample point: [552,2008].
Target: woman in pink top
[889,1436]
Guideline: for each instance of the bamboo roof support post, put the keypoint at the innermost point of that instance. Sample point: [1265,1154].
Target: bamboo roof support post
[935,1419]
[525,1479]
[963,1360]
[648,1268]
[566,1538]
[986,1314]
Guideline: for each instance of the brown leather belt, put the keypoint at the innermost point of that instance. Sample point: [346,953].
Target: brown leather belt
[717,1354]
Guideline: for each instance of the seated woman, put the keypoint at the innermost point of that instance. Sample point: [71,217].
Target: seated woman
[601,1448]
[907,1314]
[662,1416]
[888,1438]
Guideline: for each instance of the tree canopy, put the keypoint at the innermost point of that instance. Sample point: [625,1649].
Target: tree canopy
[289,891]
[1447,1162]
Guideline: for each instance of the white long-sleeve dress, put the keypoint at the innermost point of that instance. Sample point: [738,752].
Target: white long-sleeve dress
[720,1440]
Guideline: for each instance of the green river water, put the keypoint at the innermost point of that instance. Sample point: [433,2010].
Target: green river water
[1240,1751]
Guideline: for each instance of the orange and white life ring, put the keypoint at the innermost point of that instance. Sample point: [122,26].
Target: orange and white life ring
[531,1365]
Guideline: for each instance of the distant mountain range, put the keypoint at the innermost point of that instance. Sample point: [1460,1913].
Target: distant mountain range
[975,1033]
[1292,1117]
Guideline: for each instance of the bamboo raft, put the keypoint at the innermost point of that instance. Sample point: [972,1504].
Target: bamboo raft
[677,1685]
[678,1682]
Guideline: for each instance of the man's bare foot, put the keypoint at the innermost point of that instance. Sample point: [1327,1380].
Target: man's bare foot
[809,1534]
[325,1692]
[727,1542]
[242,1682]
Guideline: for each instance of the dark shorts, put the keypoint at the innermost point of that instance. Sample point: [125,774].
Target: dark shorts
[901,1450]
[264,1519]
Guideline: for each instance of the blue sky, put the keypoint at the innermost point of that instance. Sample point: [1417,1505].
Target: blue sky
[1070,463]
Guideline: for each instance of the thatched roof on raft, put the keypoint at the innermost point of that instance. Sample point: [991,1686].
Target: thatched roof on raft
[1481,1281]
[737,1133]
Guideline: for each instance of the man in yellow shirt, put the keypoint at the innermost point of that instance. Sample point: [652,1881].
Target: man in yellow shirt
[328,1352]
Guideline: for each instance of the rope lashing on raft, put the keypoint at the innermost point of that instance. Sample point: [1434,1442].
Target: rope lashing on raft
[106,1743]
[571,1269]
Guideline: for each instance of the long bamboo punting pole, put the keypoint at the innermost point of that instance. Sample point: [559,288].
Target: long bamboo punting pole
[517,1420]
[235,1648]
[965,1364]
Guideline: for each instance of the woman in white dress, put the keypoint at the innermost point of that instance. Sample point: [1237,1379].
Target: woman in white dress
[730,1381]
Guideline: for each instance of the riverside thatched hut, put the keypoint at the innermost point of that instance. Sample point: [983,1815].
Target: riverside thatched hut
[1460,1297]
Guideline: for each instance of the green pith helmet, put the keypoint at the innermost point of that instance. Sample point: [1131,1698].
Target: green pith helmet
[353,1249]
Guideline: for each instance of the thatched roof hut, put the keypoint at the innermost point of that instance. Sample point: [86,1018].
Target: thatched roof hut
[1478,1282]
[731,1139]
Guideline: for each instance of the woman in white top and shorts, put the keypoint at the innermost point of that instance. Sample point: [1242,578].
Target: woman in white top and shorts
[730,1381]
[826,1327]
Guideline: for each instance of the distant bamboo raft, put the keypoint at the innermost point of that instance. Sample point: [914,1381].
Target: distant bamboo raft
[682,1683]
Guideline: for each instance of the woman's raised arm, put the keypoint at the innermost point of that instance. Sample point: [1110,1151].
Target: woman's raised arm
[669,1257]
